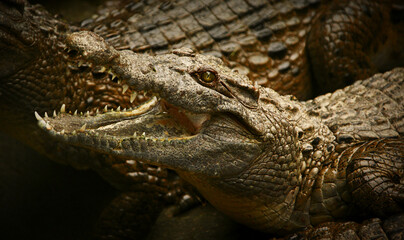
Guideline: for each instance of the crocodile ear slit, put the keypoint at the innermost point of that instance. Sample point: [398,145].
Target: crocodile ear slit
[243,95]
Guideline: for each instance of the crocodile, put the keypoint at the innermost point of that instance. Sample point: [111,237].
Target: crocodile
[265,40]
[268,161]
[38,75]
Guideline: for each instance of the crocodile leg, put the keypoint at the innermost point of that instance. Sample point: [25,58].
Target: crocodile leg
[360,180]
[375,175]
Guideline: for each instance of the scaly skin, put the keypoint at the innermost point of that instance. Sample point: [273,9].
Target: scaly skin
[268,161]
[258,35]
[36,74]
[267,40]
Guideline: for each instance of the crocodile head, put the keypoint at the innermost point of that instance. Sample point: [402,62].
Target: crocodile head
[204,121]
[26,32]
[16,38]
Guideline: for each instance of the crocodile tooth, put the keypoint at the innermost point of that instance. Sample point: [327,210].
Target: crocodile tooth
[83,128]
[119,81]
[124,88]
[133,174]
[62,132]
[75,113]
[130,162]
[124,109]
[63,108]
[42,123]
[48,126]
[46,115]
[97,111]
[54,113]
[118,109]
[144,134]
[113,76]
[135,134]
[74,132]
[87,114]
[106,108]
[133,96]
[102,69]
[38,117]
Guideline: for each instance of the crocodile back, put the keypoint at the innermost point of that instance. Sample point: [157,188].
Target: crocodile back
[369,109]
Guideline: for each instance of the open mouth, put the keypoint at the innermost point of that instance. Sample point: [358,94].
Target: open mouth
[154,119]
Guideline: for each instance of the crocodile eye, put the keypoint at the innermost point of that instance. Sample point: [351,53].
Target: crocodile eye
[205,76]
[208,76]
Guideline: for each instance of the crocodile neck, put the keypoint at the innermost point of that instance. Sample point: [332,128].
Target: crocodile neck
[286,207]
